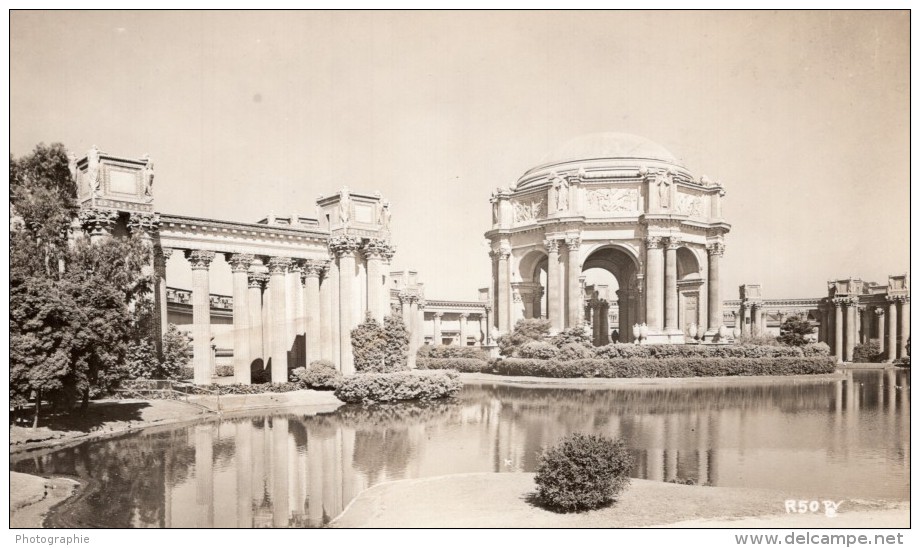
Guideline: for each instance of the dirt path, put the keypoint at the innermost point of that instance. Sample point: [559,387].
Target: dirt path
[506,500]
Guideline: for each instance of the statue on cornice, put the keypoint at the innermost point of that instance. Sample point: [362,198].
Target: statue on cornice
[72,165]
[92,169]
[562,192]
[148,177]
[663,180]
[345,207]
[385,216]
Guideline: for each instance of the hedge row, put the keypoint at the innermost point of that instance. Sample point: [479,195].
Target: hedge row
[664,367]
[444,351]
[224,389]
[464,365]
[545,351]
[401,386]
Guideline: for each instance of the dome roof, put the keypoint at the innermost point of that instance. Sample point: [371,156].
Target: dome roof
[610,145]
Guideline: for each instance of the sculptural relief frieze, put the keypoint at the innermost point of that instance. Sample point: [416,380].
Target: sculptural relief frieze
[528,210]
[611,200]
[690,204]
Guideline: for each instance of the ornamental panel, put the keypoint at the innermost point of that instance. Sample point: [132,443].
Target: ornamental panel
[613,200]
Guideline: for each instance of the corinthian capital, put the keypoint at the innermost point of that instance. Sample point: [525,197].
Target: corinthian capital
[279,265]
[313,268]
[573,242]
[240,262]
[199,259]
[653,242]
[674,242]
[551,245]
[716,249]
[344,245]
[98,221]
[379,248]
[141,222]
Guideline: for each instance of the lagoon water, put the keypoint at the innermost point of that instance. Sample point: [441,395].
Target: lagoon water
[842,439]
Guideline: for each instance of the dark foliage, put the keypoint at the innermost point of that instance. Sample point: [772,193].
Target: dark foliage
[583,472]
[400,386]
[795,331]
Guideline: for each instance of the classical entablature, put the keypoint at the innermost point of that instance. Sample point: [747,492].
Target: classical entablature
[618,202]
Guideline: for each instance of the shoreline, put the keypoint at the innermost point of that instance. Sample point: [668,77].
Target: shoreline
[644,382]
[33,497]
[507,500]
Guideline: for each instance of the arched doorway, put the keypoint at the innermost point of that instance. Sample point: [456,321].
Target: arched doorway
[689,291]
[529,293]
[611,296]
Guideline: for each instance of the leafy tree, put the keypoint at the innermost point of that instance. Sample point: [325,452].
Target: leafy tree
[397,343]
[71,302]
[368,344]
[795,330]
[524,331]
[177,352]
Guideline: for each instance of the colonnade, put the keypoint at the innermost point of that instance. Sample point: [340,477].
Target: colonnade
[288,312]
[752,319]
[846,323]
[466,320]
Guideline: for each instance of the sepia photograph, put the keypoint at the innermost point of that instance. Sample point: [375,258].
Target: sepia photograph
[511,269]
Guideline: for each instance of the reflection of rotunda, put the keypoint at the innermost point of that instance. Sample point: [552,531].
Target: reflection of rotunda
[621,203]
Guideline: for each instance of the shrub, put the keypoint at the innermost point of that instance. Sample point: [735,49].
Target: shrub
[583,472]
[524,331]
[816,349]
[400,386]
[867,353]
[225,389]
[320,375]
[452,351]
[177,353]
[664,367]
[224,370]
[141,360]
[759,340]
[575,351]
[464,365]
[577,335]
[902,362]
[396,336]
[538,350]
[368,344]
[795,331]
[186,373]
[697,350]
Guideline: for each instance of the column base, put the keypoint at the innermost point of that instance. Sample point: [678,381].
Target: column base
[712,336]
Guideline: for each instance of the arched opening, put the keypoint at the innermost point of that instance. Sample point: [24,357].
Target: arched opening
[689,292]
[530,293]
[610,294]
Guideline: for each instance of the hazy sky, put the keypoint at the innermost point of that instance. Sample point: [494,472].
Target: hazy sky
[804,116]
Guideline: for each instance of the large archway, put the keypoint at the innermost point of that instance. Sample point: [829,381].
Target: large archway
[611,298]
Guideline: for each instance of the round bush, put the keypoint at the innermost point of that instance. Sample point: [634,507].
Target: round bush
[583,472]
[538,350]
[575,351]
[320,375]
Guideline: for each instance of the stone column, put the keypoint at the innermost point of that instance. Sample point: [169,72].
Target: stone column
[327,290]
[483,328]
[256,349]
[595,322]
[892,329]
[838,329]
[487,332]
[412,324]
[299,313]
[654,283]
[865,325]
[494,293]
[605,323]
[822,326]
[463,334]
[437,327]
[277,268]
[904,326]
[162,255]
[346,247]
[375,251]
[554,296]
[420,323]
[746,318]
[880,319]
[200,262]
[239,265]
[670,285]
[572,243]
[504,291]
[312,311]
[716,250]
[757,321]
[850,336]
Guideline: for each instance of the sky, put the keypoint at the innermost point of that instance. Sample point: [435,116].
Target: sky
[803,116]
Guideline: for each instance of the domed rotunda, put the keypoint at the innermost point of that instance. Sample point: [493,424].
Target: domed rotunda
[622,203]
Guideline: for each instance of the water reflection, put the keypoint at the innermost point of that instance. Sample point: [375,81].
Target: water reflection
[845,439]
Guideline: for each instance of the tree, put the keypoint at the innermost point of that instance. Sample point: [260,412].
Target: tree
[397,343]
[368,345]
[177,352]
[795,330]
[71,302]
